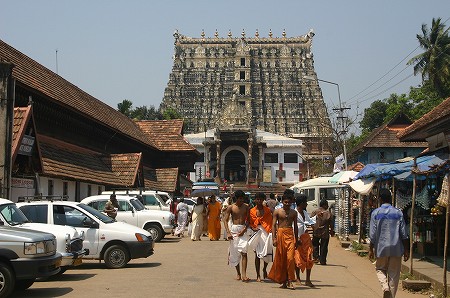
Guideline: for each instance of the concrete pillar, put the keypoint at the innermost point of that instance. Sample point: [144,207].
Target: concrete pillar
[218,156]
[249,161]
[260,163]
[6,125]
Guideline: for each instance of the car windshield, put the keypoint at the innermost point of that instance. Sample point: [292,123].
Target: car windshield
[13,215]
[137,204]
[97,214]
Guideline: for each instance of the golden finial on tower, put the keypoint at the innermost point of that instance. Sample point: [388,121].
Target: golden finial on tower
[216,34]
[270,33]
[284,33]
[203,34]
[257,33]
[243,33]
[229,33]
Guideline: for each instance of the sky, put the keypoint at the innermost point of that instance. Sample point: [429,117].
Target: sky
[116,50]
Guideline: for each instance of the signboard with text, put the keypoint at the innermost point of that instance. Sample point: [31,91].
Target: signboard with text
[26,146]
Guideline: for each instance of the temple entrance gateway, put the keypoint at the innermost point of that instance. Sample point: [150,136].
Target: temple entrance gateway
[235,166]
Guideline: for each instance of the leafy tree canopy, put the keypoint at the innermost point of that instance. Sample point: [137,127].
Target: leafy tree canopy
[138,113]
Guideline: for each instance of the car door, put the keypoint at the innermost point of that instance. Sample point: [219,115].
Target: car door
[127,213]
[151,202]
[71,216]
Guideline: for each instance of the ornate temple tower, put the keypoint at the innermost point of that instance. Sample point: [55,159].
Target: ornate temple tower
[267,83]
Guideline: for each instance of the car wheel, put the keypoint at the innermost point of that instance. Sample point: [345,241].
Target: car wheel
[7,280]
[116,256]
[23,284]
[156,232]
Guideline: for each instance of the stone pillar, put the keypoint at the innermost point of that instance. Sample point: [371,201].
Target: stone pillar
[249,161]
[207,156]
[6,126]
[218,156]
[260,162]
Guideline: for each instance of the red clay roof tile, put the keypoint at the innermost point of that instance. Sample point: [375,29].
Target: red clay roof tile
[34,75]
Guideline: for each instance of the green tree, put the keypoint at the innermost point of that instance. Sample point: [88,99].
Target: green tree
[373,116]
[397,104]
[434,62]
[125,107]
[424,99]
[171,113]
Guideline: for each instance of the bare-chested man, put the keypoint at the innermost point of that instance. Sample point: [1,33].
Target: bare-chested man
[285,239]
[237,235]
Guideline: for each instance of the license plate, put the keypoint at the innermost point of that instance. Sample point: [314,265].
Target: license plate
[77,262]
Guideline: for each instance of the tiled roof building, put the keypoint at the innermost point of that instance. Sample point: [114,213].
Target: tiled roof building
[382,145]
[80,145]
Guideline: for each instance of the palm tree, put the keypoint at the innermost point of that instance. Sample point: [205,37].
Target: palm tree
[434,62]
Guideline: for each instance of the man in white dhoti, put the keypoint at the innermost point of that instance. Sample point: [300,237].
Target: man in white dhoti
[237,234]
[261,242]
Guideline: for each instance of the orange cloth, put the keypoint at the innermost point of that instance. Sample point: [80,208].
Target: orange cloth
[265,221]
[214,220]
[283,268]
[304,252]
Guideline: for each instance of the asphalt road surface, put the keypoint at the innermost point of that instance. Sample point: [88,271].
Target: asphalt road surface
[184,268]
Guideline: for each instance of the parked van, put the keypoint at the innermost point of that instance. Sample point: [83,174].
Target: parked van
[151,199]
[211,185]
[318,189]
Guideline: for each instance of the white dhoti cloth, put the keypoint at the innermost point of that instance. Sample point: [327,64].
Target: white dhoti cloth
[262,244]
[238,245]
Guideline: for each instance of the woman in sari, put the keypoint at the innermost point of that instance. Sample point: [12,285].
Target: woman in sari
[197,219]
[183,217]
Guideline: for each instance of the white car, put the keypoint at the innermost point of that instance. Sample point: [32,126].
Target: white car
[106,239]
[69,242]
[151,199]
[157,222]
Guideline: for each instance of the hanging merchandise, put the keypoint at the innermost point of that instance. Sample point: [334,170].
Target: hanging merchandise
[423,199]
[403,200]
[442,200]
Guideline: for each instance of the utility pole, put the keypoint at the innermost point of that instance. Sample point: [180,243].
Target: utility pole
[6,126]
[341,119]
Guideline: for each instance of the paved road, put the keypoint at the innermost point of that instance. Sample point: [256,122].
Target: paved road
[183,268]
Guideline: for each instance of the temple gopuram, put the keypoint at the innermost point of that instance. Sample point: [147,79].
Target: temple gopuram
[250,83]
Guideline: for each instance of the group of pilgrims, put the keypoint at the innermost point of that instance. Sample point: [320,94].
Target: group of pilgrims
[276,230]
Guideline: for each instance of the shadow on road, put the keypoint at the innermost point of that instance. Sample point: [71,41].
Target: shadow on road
[42,292]
[170,240]
[67,276]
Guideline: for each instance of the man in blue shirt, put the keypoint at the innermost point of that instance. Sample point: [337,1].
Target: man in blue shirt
[389,238]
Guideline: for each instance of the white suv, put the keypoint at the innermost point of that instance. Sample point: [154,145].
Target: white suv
[114,242]
[151,199]
[69,242]
[157,222]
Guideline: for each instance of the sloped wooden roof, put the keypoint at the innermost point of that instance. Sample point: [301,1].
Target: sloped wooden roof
[161,179]
[60,159]
[34,75]
[21,118]
[356,167]
[166,134]
[385,136]
[425,126]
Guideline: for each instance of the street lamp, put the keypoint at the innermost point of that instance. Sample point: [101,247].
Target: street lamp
[340,117]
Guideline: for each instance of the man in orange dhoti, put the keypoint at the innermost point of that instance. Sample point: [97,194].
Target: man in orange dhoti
[304,252]
[261,223]
[285,239]
[213,213]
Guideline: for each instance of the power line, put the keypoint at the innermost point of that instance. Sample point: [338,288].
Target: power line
[382,77]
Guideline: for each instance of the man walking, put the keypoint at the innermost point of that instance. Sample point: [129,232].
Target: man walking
[389,238]
[237,234]
[261,223]
[285,239]
[304,251]
[321,232]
